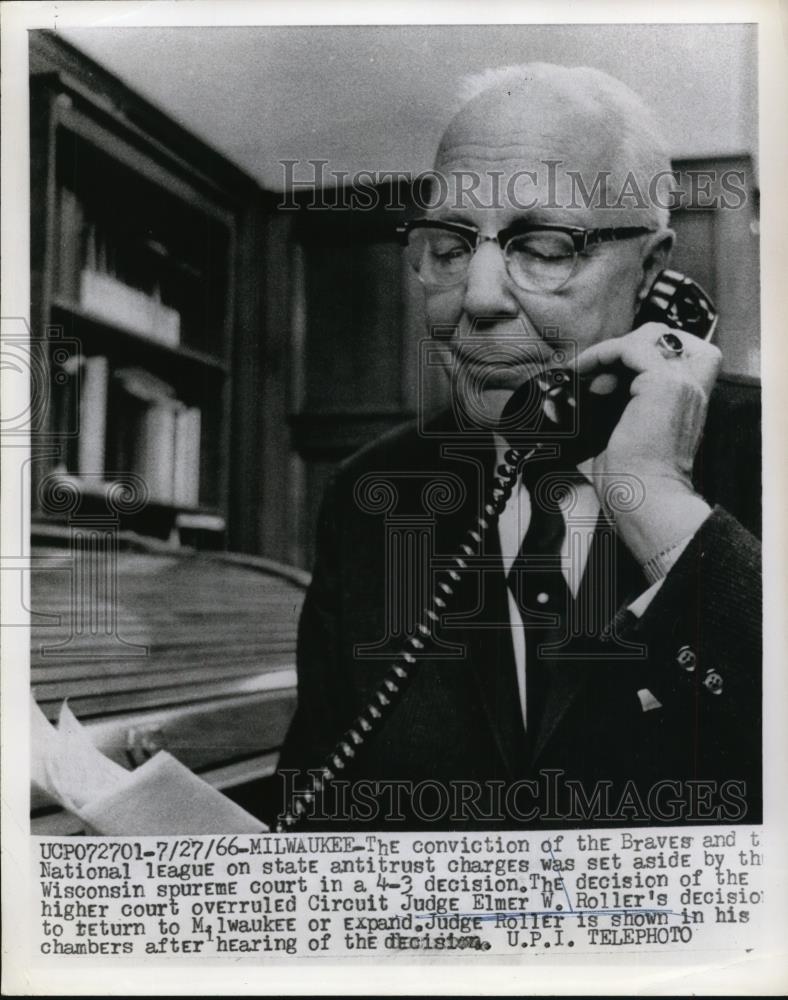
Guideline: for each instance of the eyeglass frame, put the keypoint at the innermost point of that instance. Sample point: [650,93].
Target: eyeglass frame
[581,238]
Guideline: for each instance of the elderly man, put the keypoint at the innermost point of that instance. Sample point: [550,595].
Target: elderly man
[592,657]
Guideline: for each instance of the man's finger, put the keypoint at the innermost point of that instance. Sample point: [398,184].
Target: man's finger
[640,350]
[602,355]
[636,350]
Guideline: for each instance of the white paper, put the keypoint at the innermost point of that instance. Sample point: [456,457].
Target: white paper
[162,796]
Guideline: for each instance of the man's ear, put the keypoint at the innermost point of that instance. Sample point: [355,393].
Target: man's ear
[656,255]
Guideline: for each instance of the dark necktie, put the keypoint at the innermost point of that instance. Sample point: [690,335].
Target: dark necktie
[542,595]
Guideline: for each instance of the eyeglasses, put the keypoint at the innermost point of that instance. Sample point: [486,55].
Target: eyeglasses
[539,258]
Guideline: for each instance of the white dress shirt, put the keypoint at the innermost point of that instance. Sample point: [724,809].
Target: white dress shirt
[580,524]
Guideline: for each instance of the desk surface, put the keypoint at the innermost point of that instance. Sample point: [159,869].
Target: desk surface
[189,652]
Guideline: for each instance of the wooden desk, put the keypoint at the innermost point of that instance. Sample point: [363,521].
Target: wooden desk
[184,651]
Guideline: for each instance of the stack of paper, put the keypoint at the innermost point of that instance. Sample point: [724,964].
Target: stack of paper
[158,798]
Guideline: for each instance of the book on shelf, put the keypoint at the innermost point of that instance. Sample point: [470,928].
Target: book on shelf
[108,291]
[69,244]
[108,298]
[156,454]
[131,422]
[93,416]
[145,413]
[157,436]
[187,457]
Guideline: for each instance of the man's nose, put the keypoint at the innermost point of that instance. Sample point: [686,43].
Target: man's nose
[487,292]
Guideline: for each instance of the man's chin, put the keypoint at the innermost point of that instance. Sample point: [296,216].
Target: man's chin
[494,401]
[484,390]
[484,376]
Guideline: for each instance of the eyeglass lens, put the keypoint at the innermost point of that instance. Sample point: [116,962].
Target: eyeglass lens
[542,260]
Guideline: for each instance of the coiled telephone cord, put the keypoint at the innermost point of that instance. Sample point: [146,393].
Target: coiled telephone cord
[399,675]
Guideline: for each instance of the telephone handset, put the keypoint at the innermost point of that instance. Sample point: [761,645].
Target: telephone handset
[557,406]
[553,410]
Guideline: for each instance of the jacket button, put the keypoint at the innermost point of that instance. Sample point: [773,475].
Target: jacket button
[713,682]
[686,658]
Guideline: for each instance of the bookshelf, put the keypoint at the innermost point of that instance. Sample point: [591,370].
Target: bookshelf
[138,255]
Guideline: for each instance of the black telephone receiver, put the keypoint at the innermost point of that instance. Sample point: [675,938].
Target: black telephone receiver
[554,408]
[557,407]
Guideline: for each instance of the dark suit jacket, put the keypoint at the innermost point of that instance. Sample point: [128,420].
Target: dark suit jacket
[402,506]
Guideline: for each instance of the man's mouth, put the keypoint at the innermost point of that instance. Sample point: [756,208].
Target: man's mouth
[509,362]
[492,358]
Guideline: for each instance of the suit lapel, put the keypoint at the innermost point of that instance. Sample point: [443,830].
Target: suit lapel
[486,632]
[493,664]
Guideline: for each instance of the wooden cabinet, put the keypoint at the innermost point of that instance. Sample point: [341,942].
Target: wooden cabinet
[139,253]
[346,328]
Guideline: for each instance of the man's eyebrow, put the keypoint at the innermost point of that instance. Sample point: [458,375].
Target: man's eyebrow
[528,220]
[543,215]
[448,215]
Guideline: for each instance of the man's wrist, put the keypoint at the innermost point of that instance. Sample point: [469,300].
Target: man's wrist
[658,566]
[660,524]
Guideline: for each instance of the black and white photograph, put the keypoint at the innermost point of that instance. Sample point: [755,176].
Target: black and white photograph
[390,492]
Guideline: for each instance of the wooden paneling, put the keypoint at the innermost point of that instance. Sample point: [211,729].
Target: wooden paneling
[353,349]
[353,363]
[719,247]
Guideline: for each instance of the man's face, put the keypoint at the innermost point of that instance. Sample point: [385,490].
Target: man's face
[502,332]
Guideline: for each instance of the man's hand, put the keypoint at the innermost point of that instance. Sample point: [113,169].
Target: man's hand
[658,433]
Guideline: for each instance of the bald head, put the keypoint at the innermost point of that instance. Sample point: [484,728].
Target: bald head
[522,118]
